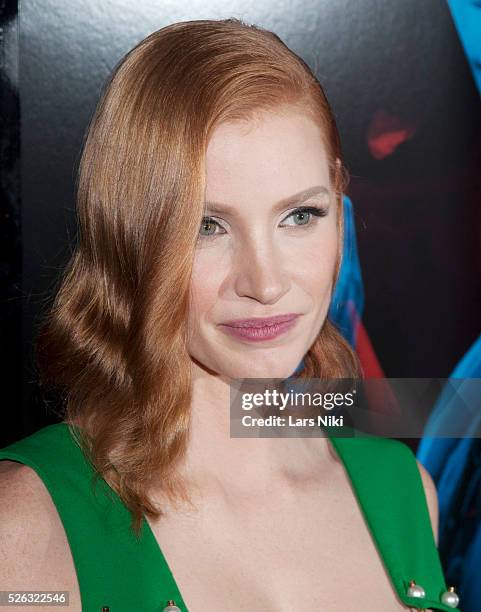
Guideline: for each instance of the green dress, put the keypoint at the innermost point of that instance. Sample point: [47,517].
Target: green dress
[117,569]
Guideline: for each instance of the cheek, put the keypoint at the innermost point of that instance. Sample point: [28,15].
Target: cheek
[205,284]
[314,262]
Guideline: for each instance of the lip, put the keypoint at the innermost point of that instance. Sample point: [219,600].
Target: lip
[257,330]
[262,321]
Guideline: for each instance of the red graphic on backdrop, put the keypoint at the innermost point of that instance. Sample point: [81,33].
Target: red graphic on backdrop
[386,132]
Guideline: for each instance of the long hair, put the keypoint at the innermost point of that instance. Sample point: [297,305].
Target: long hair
[113,342]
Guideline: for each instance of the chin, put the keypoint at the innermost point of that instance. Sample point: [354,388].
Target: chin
[280,362]
[259,370]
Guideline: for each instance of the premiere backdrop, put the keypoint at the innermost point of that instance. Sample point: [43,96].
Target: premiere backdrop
[403,89]
[404,80]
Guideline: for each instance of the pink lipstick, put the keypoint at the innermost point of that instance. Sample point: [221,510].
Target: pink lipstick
[260,329]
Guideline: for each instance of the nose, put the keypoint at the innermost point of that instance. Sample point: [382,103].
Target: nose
[260,271]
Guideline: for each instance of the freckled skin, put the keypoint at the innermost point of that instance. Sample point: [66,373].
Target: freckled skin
[260,262]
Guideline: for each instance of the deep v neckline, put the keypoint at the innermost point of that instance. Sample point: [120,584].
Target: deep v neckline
[405,549]
[172,586]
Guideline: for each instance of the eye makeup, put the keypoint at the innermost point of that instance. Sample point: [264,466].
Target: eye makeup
[312,210]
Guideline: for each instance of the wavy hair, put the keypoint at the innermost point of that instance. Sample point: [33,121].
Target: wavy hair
[113,342]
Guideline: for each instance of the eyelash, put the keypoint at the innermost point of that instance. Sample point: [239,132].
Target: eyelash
[316,211]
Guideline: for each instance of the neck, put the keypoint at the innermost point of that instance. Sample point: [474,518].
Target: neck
[244,464]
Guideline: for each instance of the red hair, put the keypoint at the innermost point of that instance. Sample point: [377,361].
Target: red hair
[114,340]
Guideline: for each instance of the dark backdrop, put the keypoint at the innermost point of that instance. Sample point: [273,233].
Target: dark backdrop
[382,64]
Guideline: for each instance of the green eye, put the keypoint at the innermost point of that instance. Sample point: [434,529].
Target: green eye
[207,227]
[305,215]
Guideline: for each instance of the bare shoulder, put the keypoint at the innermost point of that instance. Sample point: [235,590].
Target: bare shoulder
[431,497]
[23,496]
[34,550]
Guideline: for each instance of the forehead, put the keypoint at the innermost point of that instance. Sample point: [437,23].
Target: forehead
[274,154]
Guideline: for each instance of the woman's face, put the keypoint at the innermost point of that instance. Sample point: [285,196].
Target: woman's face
[259,254]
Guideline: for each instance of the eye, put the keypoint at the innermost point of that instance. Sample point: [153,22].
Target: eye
[207,225]
[304,215]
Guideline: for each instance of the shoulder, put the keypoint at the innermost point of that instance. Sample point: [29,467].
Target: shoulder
[431,497]
[23,496]
[19,483]
[398,460]
[27,519]
[429,487]
[33,546]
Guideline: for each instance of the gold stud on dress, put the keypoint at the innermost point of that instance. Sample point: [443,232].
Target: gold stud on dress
[415,590]
[450,598]
[171,607]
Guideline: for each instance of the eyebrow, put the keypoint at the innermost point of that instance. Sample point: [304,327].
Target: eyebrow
[297,198]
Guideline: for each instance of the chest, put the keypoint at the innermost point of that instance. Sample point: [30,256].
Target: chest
[279,553]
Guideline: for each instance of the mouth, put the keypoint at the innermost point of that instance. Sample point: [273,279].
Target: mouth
[261,329]
[262,321]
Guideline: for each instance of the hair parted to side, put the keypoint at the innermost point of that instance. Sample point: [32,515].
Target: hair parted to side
[114,341]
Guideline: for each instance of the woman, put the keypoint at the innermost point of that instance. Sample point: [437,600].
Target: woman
[209,195]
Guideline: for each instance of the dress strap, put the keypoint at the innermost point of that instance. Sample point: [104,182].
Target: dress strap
[387,482]
[114,567]
[117,569]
